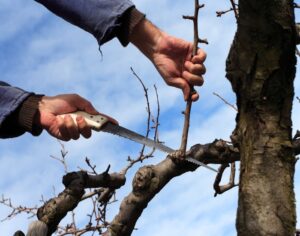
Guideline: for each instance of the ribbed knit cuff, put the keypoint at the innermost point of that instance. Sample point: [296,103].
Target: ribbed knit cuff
[27,113]
[130,19]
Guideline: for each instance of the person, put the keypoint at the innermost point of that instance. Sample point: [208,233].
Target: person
[22,111]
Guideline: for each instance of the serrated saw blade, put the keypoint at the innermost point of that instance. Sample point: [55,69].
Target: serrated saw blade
[129,134]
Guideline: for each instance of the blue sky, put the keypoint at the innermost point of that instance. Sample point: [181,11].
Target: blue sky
[42,53]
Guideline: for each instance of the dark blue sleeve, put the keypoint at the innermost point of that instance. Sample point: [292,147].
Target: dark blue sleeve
[10,99]
[102,18]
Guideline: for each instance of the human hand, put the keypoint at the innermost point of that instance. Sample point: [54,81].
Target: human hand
[171,56]
[174,61]
[65,128]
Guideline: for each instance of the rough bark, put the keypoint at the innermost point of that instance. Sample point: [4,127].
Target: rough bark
[149,180]
[54,210]
[261,69]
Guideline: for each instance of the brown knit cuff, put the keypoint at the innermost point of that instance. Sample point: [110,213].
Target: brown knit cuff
[27,113]
[130,19]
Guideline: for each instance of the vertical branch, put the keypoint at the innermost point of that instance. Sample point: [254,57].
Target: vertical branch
[236,14]
[188,108]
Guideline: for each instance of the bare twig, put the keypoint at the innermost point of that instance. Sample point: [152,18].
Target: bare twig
[142,156]
[188,108]
[229,104]
[156,122]
[220,13]
[89,228]
[62,158]
[16,210]
[93,167]
[235,10]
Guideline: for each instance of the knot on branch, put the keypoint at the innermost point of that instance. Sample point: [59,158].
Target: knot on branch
[217,152]
[75,181]
[177,157]
[144,179]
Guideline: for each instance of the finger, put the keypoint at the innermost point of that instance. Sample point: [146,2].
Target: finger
[83,127]
[183,85]
[192,79]
[200,57]
[195,97]
[63,132]
[197,69]
[71,127]
[89,108]
[86,106]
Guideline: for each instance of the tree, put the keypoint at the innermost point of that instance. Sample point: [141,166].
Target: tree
[261,69]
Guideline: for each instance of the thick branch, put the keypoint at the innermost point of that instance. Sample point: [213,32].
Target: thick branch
[54,210]
[149,180]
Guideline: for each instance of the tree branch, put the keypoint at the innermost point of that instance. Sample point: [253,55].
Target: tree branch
[54,210]
[149,180]
[188,108]
[221,189]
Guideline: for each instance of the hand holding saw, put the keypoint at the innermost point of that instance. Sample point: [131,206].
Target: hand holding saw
[102,123]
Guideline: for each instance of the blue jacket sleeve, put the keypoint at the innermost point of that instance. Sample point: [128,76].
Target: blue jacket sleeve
[10,99]
[102,18]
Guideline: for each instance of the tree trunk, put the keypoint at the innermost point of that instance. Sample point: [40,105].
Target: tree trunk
[261,69]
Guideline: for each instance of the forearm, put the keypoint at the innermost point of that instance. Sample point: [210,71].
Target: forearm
[146,38]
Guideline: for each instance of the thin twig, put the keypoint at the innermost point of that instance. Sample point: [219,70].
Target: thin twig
[229,104]
[156,122]
[62,158]
[93,167]
[236,14]
[142,156]
[188,107]
[148,108]
[16,210]
[220,13]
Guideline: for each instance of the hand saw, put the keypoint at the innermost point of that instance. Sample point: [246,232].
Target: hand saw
[102,123]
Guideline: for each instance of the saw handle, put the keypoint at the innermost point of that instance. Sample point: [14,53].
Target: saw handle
[96,122]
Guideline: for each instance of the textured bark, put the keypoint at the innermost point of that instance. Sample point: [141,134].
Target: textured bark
[54,210]
[261,69]
[149,180]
